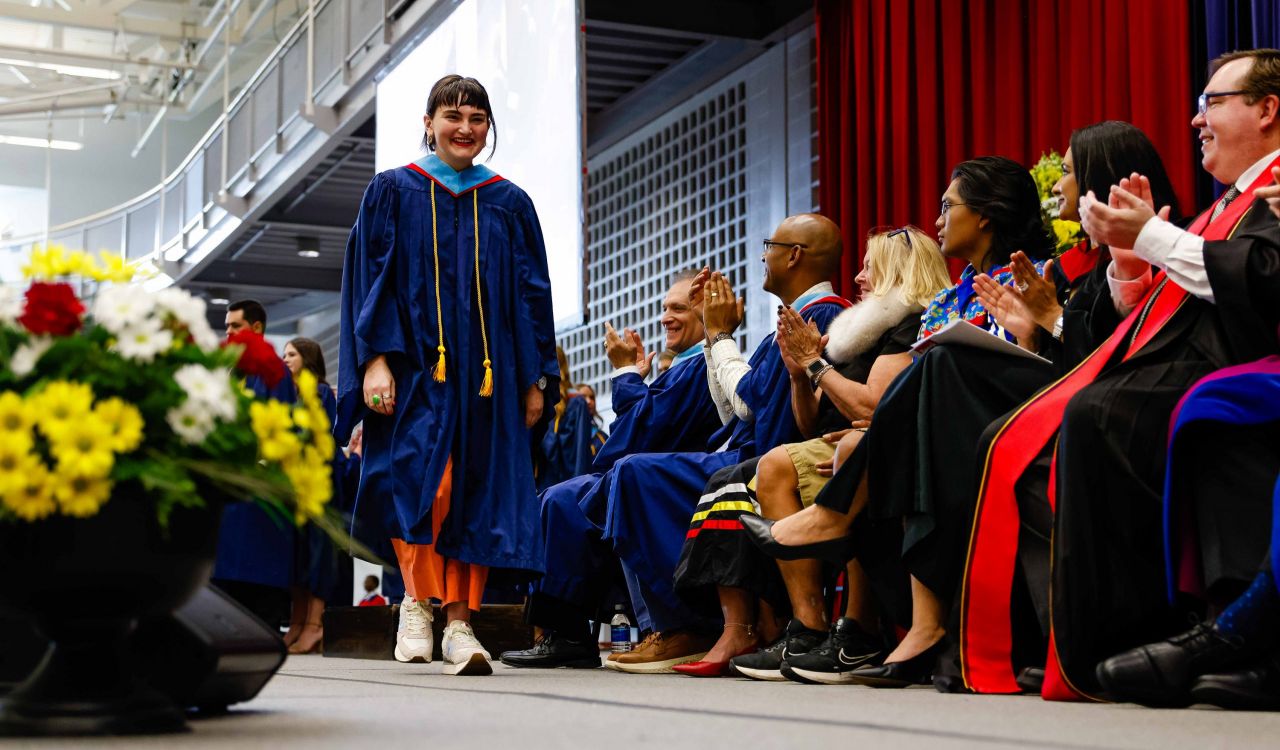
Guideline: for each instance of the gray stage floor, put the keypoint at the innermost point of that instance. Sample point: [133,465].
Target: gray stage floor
[326,703]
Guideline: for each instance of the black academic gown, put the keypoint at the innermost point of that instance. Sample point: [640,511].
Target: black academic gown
[1107,580]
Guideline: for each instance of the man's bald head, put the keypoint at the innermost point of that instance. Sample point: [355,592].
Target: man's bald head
[805,250]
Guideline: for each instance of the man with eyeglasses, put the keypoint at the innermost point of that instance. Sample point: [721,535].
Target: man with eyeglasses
[1209,302]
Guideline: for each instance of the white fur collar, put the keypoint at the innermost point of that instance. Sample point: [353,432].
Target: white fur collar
[856,329]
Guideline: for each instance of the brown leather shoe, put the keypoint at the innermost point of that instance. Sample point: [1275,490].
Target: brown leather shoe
[659,652]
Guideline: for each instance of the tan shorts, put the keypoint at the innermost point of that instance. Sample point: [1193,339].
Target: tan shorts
[806,456]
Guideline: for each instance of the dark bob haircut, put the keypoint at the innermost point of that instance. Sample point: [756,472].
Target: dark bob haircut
[1001,191]
[455,91]
[1105,152]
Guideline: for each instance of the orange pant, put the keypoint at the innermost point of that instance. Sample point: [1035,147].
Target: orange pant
[428,575]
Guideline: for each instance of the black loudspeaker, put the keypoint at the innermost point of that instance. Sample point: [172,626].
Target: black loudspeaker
[209,654]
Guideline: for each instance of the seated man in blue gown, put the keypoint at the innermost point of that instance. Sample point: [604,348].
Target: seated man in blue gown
[635,514]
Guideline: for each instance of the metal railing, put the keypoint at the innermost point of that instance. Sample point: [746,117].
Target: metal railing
[300,90]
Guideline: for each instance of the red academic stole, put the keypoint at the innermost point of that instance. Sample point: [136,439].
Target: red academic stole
[985,629]
[1078,261]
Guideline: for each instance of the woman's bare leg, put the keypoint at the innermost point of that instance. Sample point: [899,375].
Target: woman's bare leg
[926,624]
[738,607]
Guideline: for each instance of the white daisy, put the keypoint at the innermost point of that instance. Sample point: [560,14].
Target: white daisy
[191,312]
[144,341]
[210,390]
[191,423]
[119,306]
[27,356]
[12,304]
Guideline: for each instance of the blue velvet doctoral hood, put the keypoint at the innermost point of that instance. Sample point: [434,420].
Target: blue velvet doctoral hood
[389,307]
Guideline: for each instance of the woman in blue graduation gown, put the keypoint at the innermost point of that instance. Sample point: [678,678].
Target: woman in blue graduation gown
[448,354]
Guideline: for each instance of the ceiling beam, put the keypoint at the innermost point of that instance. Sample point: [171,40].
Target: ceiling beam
[37,54]
[100,21]
[240,274]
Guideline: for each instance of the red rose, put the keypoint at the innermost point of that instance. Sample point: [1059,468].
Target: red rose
[258,358]
[52,309]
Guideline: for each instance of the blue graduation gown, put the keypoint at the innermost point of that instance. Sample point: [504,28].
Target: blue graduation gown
[389,307]
[653,495]
[254,547]
[675,411]
[565,449]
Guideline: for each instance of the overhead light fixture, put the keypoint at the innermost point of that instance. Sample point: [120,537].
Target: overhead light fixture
[308,247]
[219,301]
[79,71]
[20,75]
[22,140]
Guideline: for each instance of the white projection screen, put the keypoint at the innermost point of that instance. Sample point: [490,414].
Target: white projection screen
[525,52]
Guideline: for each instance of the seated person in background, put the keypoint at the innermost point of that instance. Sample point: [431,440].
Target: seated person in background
[566,448]
[664,359]
[371,597]
[918,453]
[869,345]
[675,410]
[598,435]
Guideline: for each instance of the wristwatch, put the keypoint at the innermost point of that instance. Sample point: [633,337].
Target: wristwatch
[1057,328]
[722,336]
[816,368]
[542,383]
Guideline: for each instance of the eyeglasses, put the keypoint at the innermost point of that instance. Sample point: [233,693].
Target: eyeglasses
[948,205]
[905,235]
[770,244]
[1202,103]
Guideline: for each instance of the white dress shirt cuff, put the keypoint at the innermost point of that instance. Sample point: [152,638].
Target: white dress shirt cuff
[628,370]
[1127,293]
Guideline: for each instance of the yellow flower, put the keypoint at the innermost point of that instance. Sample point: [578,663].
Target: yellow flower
[124,421]
[83,447]
[312,487]
[279,446]
[16,460]
[114,267]
[78,495]
[303,419]
[31,499]
[15,417]
[268,418]
[45,263]
[60,403]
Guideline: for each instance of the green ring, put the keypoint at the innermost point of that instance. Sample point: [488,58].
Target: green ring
[376,399]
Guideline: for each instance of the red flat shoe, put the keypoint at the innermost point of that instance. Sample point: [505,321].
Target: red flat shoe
[710,668]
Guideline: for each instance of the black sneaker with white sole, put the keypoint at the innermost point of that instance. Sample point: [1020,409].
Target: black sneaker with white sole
[767,663]
[849,647]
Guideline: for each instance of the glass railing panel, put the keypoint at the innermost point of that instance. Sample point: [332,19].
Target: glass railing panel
[172,211]
[212,158]
[266,110]
[108,235]
[193,194]
[366,15]
[140,238]
[294,70]
[238,136]
[328,42]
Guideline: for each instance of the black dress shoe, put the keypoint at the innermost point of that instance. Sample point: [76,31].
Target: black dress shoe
[551,651]
[759,530]
[1161,674]
[918,670]
[1254,689]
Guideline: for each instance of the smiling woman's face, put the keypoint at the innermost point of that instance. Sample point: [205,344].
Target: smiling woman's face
[459,133]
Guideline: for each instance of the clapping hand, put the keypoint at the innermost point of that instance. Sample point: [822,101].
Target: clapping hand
[1037,290]
[1118,222]
[627,350]
[799,342]
[1271,193]
[696,287]
[1006,306]
[721,311]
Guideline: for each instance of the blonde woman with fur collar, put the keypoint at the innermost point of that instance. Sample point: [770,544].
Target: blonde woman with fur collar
[866,347]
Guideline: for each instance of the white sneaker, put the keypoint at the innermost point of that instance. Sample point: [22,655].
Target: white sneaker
[413,639]
[462,653]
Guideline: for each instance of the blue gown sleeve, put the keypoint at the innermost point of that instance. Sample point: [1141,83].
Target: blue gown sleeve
[372,321]
[628,390]
[536,339]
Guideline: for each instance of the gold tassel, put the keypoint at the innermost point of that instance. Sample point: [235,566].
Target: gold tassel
[438,373]
[486,385]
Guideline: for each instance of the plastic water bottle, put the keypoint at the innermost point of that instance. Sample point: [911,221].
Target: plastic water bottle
[620,631]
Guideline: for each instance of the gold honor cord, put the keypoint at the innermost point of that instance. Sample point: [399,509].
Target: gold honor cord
[486,385]
[439,372]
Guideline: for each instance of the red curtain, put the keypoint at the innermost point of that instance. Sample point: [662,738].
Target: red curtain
[909,88]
